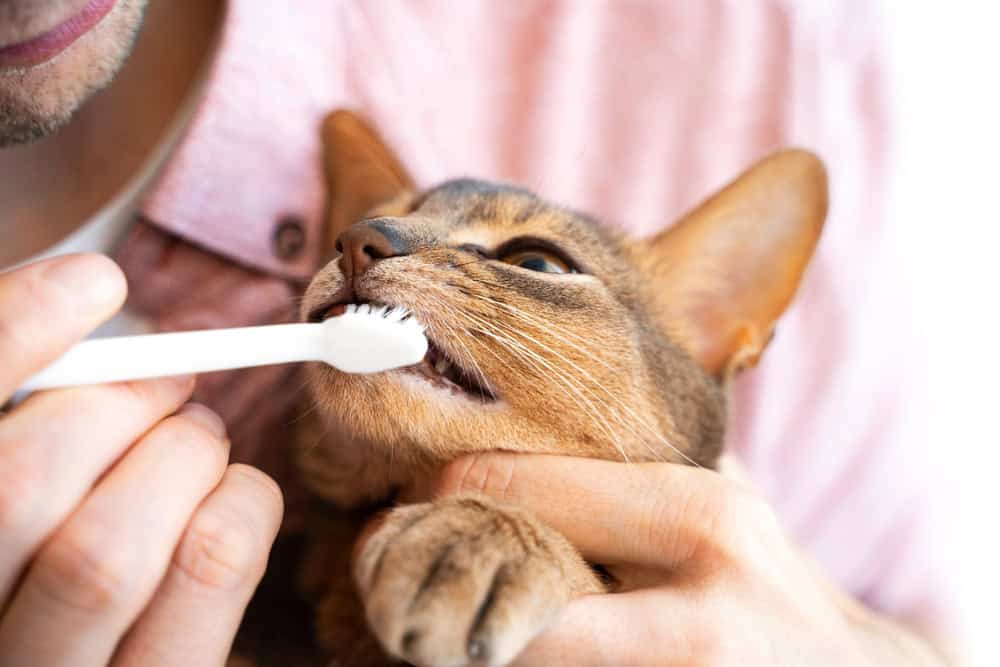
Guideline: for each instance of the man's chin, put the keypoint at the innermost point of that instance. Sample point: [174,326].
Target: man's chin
[22,123]
[37,101]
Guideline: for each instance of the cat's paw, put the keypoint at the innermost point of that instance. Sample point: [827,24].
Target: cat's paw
[465,582]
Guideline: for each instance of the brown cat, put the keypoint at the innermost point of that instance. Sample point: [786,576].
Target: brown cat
[548,333]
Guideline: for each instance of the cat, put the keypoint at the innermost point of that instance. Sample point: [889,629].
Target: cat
[549,333]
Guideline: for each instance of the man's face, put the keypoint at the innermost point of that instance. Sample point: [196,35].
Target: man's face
[54,54]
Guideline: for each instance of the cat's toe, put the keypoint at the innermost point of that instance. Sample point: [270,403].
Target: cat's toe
[463,583]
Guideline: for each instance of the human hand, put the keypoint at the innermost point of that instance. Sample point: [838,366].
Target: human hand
[704,574]
[124,536]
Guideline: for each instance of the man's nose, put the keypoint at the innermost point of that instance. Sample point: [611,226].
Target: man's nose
[367,242]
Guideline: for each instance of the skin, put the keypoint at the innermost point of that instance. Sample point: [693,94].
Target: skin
[55,182]
[125,537]
[689,596]
[37,100]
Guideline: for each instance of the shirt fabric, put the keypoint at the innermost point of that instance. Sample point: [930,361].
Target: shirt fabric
[634,113]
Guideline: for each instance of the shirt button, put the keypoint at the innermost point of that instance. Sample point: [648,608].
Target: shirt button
[289,238]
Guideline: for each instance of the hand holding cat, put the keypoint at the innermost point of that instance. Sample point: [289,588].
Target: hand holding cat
[124,535]
[704,573]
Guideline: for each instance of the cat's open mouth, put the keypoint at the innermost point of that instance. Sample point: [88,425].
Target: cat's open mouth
[444,373]
[437,368]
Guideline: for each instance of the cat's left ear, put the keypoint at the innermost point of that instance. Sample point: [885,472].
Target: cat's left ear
[722,275]
[362,174]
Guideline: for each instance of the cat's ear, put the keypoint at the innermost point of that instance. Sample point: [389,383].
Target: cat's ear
[362,173]
[724,273]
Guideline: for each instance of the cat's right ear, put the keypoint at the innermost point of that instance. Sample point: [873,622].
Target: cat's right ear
[362,173]
[722,275]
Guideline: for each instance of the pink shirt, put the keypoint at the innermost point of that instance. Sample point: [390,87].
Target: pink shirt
[634,112]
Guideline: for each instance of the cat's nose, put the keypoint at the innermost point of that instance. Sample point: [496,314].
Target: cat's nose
[364,244]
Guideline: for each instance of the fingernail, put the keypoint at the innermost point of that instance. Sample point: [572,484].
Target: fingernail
[204,417]
[92,279]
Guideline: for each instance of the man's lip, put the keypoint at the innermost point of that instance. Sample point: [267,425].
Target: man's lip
[50,44]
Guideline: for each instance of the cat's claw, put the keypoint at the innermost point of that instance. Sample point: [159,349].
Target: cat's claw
[464,582]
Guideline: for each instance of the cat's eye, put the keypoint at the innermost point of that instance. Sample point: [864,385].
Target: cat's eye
[538,260]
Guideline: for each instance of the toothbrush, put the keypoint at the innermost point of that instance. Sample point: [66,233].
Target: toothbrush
[364,339]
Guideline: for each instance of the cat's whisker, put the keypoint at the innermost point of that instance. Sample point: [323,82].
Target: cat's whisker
[493,332]
[598,418]
[650,429]
[468,359]
[563,331]
[587,408]
[528,317]
[534,359]
[552,369]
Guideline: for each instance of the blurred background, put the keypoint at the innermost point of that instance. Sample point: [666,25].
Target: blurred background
[945,61]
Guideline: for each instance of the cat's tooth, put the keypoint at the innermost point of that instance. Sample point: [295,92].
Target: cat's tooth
[441,365]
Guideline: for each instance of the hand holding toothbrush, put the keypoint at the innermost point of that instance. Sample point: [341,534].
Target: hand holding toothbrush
[119,516]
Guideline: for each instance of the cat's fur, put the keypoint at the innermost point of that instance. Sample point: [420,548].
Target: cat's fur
[625,360]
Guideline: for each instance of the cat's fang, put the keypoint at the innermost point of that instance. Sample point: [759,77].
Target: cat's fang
[442,366]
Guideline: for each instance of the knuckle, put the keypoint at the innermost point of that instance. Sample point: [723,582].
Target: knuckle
[184,437]
[20,326]
[740,521]
[19,333]
[144,393]
[490,474]
[261,482]
[737,507]
[220,551]
[457,476]
[82,569]
[650,528]
[13,334]
[20,485]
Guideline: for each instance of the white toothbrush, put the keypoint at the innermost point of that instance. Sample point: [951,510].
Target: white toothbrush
[362,340]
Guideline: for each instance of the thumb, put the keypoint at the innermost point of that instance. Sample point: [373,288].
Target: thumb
[618,630]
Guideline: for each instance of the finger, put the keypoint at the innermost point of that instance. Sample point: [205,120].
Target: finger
[196,611]
[657,515]
[99,569]
[46,307]
[620,630]
[55,446]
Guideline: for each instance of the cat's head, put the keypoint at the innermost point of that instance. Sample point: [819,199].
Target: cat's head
[548,331]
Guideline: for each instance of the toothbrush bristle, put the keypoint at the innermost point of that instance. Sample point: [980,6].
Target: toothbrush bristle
[396,314]
[372,338]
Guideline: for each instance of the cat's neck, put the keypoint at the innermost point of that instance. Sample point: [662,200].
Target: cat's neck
[350,473]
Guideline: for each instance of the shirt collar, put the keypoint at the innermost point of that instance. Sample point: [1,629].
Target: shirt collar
[246,181]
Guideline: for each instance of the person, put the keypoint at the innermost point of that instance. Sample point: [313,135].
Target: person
[128,535]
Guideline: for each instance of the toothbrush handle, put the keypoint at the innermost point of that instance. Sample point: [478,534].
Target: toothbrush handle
[159,355]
